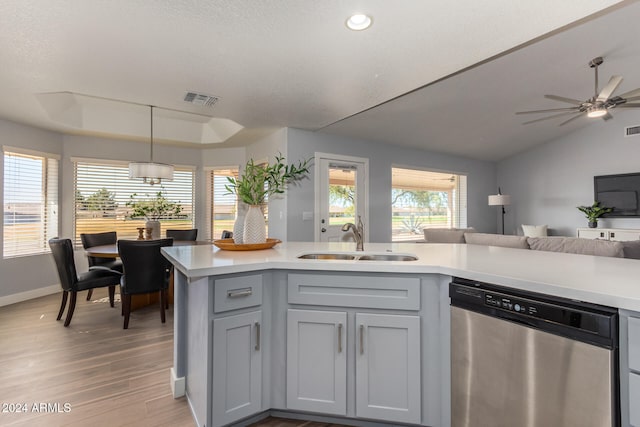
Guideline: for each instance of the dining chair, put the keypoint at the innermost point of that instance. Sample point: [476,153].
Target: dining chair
[226,234]
[89,240]
[185,235]
[146,270]
[71,283]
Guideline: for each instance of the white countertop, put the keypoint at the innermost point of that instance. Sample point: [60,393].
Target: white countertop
[609,281]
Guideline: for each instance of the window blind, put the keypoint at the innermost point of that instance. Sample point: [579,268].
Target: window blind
[103,189]
[30,202]
[223,207]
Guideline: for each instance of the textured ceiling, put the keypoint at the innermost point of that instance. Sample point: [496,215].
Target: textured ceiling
[293,63]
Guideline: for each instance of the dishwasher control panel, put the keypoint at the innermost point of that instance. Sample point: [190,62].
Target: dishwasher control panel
[511,304]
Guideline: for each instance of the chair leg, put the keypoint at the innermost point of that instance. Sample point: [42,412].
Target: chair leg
[72,306]
[126,307]
[112,293]
[63,304]
[89,294]
[163,298]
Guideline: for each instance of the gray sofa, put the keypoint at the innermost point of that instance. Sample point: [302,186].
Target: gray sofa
[572,245]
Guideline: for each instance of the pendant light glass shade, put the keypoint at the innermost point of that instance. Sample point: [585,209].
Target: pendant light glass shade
[151,172]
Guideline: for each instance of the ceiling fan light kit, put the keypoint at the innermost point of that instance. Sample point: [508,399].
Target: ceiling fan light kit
[597,106]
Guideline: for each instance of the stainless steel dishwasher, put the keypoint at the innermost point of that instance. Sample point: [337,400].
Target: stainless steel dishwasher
[530,360]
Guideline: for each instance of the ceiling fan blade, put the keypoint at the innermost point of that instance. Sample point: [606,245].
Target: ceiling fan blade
[630,94]
[608,90]
[563,99]
[628,106]
[572,119]
[549,117]
[607,116]
[550,110]
[633,98]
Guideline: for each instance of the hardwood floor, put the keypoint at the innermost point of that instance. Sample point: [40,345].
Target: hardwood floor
[93,373]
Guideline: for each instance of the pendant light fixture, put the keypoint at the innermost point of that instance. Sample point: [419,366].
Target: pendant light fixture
[151,172]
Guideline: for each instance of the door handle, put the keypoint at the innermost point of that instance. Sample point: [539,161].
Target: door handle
[339,337]
[361,339]
[257,325]
[324,230]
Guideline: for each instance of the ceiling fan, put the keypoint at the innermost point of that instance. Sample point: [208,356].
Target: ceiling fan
[596,106]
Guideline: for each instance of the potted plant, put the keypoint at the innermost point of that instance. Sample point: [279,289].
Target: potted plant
[255,185]
[153,210]
[594,212]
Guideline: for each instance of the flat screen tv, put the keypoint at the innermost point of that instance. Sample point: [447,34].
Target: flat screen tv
[619,192]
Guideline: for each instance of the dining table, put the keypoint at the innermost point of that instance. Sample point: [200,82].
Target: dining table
[142,300]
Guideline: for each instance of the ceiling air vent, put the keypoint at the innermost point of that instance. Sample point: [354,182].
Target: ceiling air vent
[201,99]
[632,131]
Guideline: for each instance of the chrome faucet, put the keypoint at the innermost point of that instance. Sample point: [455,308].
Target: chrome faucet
[358,233]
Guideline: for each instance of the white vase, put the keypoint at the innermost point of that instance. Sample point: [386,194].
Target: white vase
[254,226]
[155,228]
[238,227]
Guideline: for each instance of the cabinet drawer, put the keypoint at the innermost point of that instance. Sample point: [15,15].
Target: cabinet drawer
[593,234]
[634,398]
[237,292]
[634,343]
[401,293]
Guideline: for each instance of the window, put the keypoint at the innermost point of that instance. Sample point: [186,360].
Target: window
[102,190]
[30,201]
[423,199]
[223,206]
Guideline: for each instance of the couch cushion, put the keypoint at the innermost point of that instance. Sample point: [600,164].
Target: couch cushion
[631,249]
[446,235]
[575,245]
[534,230]
[518,242]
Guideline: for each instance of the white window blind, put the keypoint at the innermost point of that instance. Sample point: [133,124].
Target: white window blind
[30,202]
[426,199]
[222,206]
[102,190]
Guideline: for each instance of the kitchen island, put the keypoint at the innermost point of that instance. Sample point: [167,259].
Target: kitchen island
[261,331]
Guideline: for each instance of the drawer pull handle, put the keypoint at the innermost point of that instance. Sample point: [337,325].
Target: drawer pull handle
[257,325]
[361,339]
[339,337]
[239,293]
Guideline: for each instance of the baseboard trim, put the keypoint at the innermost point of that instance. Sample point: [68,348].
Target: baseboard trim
[177,385]
[27,295]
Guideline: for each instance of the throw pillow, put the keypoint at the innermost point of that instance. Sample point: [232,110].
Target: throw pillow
[534,230]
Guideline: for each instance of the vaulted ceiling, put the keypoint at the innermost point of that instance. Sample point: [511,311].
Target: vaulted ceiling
[441,76]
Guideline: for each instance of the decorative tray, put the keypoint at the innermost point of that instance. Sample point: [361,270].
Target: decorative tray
[229,245]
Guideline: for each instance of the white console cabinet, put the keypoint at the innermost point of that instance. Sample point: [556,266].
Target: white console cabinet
[613,234]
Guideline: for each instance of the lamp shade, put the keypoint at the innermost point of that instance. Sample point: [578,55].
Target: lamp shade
[152,173]
[499,199]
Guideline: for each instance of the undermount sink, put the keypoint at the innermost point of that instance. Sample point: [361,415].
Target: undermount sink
[359,257]
[327,256]
[388,257]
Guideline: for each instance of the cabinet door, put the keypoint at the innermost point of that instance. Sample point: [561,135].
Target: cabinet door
[593,233]
[317,361]
[624,235]
[237,367]
[388,367]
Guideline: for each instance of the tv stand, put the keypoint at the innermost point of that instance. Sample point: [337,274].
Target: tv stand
[613,234]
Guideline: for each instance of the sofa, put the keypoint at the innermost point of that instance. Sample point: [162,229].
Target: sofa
[572,245]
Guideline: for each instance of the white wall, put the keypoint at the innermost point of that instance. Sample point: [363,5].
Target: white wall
[303,144]
[548,182]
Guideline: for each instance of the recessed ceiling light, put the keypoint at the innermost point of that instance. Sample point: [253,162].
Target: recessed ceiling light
[359,22]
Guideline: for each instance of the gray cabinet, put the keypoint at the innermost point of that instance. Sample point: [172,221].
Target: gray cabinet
[388,367]
[317,361]
[630,368]
[237,367]
[379,351]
